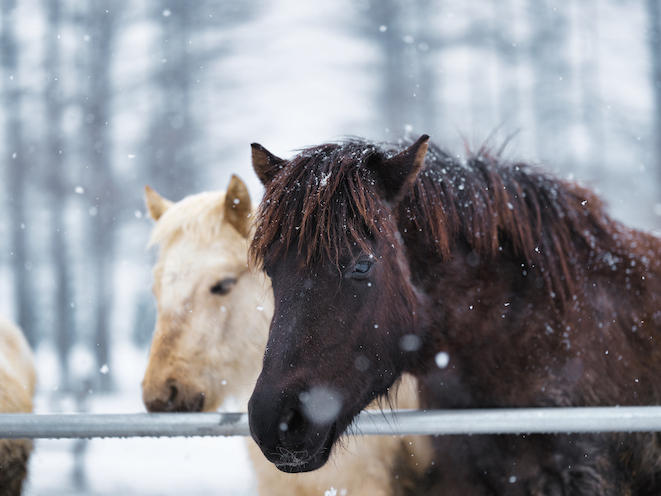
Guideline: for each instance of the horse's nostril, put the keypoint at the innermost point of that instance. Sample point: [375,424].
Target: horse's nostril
[173,393]
[198,405]
[291,423]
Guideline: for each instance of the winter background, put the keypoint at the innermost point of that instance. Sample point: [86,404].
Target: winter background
[99,98]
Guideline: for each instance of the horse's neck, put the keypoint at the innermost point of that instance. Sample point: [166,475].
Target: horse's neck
[477,318]
[510,343]
[462,294]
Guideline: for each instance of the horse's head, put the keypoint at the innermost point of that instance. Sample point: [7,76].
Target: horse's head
[212,310]
[346,318]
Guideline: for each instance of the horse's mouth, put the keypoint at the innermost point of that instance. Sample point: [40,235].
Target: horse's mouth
[293,464]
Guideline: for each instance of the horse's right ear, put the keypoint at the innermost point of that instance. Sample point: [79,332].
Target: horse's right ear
[237,206]
[398,173]
[156,204]
[266,164]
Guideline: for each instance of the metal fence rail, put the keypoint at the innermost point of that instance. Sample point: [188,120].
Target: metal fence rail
[482,421]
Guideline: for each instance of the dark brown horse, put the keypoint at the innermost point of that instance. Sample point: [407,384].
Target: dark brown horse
[385,260]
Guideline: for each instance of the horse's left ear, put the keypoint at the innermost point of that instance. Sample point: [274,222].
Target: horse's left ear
[156,204]
[237,206]
[399,172]
[266,164]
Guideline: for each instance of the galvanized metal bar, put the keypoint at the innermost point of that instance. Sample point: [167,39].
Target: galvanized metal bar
[89,425]
[515,421]
[403,422]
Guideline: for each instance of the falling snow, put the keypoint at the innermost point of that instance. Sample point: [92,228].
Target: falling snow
[410,342]
[442,359]
[321,404]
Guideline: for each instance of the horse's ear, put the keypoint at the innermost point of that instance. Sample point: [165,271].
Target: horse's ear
[399,172]
[237,206]
[266,164]
[156,204]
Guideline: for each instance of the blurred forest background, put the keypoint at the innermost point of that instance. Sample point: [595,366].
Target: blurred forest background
[99,98]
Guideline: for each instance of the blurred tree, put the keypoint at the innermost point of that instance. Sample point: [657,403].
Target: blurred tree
[171,163]
[19,170]
[396,101]
[100,23]
[408,75]
[427,87]
[654,37]
[58,188]
[547,51]
[589,77]
[506,45]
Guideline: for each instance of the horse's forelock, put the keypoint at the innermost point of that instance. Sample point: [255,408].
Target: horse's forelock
[199,216]
[323,203]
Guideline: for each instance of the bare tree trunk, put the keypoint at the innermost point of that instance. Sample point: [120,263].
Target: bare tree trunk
[15,158]
[428,81]
[396,99]
[551,84]
[590,105]
[64,321]
[509,99]
[101,183]
[172,167]
[654,17]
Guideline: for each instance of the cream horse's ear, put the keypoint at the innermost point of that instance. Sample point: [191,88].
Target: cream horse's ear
[156,204]
[237,206]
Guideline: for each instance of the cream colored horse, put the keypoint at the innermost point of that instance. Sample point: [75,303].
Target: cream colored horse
[213,319]
[17,382]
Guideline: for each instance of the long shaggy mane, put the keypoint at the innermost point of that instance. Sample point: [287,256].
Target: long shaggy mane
[328,197]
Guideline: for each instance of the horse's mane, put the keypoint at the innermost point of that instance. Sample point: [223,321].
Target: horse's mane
[327,197]
[197,216]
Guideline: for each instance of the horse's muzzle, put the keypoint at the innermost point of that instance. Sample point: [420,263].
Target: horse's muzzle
[171,398]
[287,438]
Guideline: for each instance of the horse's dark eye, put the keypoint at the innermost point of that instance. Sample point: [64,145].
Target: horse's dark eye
[361,269]
[223,287]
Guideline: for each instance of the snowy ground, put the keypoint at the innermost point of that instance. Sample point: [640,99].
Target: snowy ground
[135,466]
[192,466]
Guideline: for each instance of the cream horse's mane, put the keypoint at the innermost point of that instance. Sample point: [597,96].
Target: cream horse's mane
[198,217]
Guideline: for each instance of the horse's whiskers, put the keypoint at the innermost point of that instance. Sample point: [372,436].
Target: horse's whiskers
[290,457]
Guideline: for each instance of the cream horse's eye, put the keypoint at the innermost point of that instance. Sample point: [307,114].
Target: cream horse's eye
[223,286]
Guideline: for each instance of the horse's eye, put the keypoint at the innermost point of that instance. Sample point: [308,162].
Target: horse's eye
[223,287]
[361,269]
